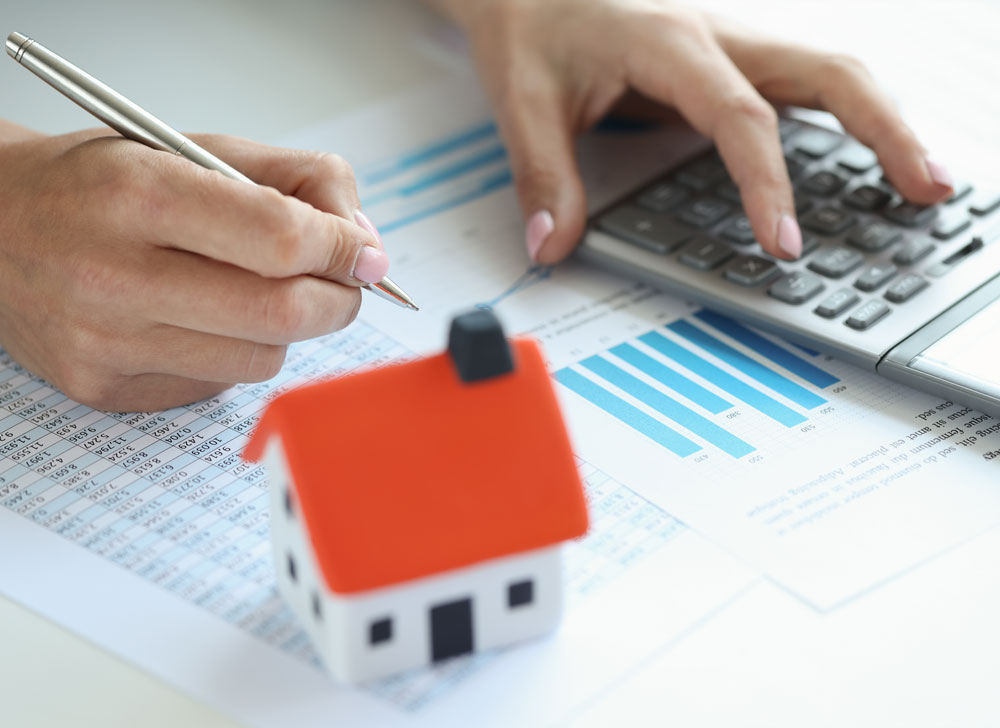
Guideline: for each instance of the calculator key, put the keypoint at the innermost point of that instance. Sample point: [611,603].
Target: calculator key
[875,276]
[950,223]
[662,197]
[983,202]
[913,250]
[828,220]
[910,214]
[867,197]
[705,253]
[751,270]
[652,230]
[867,315]
[738,230]
[702,173]
[824,183]
[729,191]
[809,244]
[795,167]
[787,127]
[803,204]
[906,288]
[796,287]
[703,212]
[836,262]
[874,236]
[837,302]
[960,190]
[856,158]
[817,143]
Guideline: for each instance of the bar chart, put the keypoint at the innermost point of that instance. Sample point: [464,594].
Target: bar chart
[681,385]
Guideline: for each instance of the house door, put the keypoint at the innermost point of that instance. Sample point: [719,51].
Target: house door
[451,629]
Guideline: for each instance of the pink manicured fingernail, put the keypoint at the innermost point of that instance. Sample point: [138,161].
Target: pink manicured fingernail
[790,236]
[371,265]
[362,219]
[940,174]
[537,231]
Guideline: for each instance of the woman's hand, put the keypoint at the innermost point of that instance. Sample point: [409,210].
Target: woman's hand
[555,67]
[134,279]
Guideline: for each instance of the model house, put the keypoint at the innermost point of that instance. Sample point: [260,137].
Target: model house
[418,510]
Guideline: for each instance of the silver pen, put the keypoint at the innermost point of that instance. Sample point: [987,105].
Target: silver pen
[137,124]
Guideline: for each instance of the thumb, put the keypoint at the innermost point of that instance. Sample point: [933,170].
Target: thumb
[539,138]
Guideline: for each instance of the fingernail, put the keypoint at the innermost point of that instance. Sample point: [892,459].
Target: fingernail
[362,219]
[790,236]
[371,265]
[537,231]
[940,174]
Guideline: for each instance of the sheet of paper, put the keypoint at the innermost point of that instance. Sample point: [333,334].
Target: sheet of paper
[147,534]
[826,477]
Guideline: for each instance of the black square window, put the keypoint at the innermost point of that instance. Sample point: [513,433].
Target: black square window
[380,631]
[293,572]
[288,504]
[520,593]
[317,605]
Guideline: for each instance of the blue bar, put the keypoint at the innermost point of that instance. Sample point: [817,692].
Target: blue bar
[407,161]
[442,175]
[677,382]
[768,349]
[668,406]
[782,385]
[622,410]
[739,389]
[488,185]
[807,350]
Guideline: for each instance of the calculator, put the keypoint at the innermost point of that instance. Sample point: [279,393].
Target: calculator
[911,292]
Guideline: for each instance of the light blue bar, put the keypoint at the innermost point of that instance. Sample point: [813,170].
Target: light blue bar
[439,176]
[668,406]
[445,146]
[677,382]
[739,389]
[623,411]
[769,378]
[488,185]
[768,349]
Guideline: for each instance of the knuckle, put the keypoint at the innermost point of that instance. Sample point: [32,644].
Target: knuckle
[285,313]
[838,68]
[286,230]
[333,165]
[260,362]
[672,21]
[746,105]
[350,311]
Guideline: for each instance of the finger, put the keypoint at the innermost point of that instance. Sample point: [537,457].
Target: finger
[684,66]
[538,134]
[192,292]
[791,74]
[326,181]
[154,392]
[162,349]
[174,203]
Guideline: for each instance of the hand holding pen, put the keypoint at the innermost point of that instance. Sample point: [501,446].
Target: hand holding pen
[134,279]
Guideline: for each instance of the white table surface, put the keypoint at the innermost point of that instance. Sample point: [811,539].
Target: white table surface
[921,651]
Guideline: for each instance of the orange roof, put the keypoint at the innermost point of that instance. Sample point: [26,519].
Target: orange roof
[405,471]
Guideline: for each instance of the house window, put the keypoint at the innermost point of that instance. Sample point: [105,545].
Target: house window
[288,503]
[520,593]
[317,606]
[292,570]
[380,631]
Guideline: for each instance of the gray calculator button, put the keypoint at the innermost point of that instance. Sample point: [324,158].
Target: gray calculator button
[816,143]
[906,288]
[809,244]
[913,250]
[836,262]
[787,127]
[652,230]
[824,183]
[856,158]
[867,197]
[795,166]
[738,230]
[867,315]
[961,189]
[950,223]
[828,220]
[837,302]
[702,173]
[874,236]
[803,204]
[751,270]
[983,202]
[910,214]
[729,191]
[796,287]
[875,276]
[703,212]
[662,197]
[705,253]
